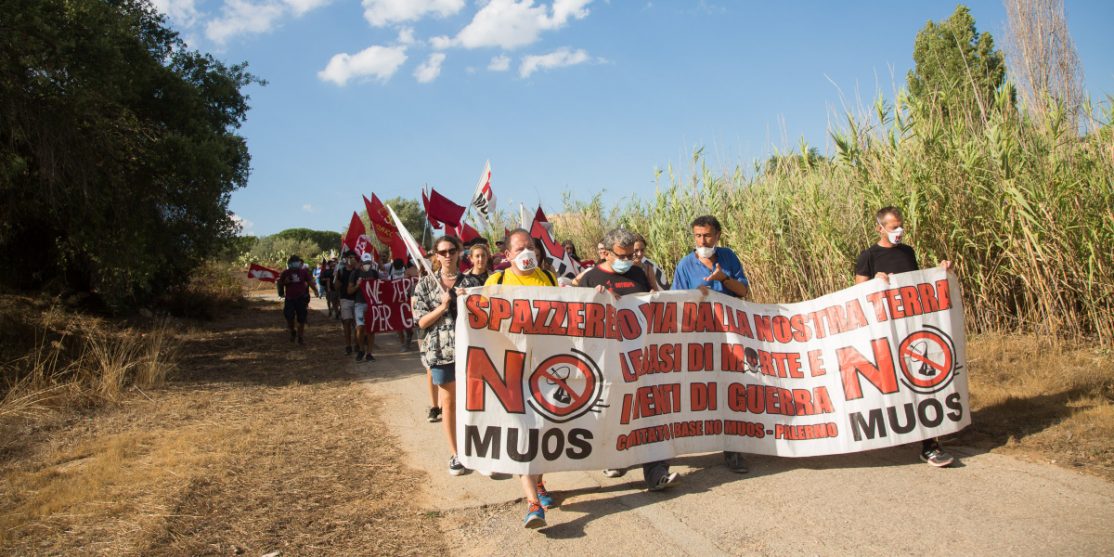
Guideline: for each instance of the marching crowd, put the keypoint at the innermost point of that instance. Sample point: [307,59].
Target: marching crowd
[621,269]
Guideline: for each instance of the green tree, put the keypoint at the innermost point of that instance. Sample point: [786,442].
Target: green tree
[273,250]
[118,151]
[325,240]
[956,70]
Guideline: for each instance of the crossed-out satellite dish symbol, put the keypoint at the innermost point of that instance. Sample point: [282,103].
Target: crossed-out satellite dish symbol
[565,386]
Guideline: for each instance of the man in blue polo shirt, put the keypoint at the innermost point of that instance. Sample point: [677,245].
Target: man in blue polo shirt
[709,267]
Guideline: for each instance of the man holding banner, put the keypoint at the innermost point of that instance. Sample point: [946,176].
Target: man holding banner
[618,274]
[709,267]
[889,256]
[524,271]
[367,273]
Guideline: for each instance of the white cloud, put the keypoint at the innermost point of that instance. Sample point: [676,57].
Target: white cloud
[309,208]
[500,63]
[183,12]
[247,227]
[242,17]
[406,36]
[379,61]
[380,13]
[430,69]
[509,24]
[302,6]
[557,59]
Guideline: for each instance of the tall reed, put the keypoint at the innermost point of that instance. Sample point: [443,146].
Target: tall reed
[1024,208]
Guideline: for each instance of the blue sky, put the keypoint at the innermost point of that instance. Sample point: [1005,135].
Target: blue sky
[575,96]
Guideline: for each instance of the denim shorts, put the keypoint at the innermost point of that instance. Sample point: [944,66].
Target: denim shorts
[361,312]
[443,374]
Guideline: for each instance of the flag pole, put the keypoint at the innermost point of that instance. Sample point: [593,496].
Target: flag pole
[425,223]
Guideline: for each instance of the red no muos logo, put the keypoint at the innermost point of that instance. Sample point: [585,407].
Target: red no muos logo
[927,359]
[565,386]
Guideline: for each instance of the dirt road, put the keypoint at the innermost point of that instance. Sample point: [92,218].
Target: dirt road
[878,503]
[259,445]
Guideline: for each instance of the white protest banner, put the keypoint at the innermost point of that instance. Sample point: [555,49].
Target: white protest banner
[557,379]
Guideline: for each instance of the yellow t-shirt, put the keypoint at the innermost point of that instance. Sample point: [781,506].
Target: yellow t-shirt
[537,278]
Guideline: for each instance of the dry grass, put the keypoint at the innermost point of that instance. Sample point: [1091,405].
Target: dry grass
[72,359]
[253,446]
[1050,402]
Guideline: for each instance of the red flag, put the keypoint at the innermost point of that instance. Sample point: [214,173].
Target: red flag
[425,206]
[467,233]
[451,231]
[562,262]
[440,208]
[259,272]
[355,230]
[539,217]
[364,245]
[384,229]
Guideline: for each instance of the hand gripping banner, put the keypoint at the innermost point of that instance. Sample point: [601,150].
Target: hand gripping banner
[558,379]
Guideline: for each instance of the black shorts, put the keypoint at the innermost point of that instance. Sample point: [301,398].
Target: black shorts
[296,307]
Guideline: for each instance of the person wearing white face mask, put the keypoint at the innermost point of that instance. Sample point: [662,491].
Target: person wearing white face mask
[524,271]
[889,256]
[364,339]
[711,267]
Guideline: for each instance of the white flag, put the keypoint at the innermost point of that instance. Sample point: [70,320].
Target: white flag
[484,199]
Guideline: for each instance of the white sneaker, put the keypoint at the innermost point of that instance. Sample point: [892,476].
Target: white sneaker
[614,472]
[668,480]
[455,467]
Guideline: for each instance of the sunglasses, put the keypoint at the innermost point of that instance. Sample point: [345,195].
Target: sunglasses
[448,253]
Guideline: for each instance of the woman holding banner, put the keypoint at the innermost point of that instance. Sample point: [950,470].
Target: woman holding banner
[434,307]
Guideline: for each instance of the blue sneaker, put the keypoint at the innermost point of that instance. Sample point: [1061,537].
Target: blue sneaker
[535,516]
[544,497]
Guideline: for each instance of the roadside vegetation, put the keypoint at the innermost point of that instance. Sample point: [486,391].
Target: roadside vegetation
[141,409]
[1019,194]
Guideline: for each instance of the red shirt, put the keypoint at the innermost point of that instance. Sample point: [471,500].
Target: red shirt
[296,282]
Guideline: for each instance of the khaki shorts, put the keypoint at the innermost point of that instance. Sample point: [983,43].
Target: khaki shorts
[347,309]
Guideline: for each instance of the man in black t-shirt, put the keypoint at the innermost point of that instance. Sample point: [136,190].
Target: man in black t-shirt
[347,299]
[618,274]
[889,257]
[327,285]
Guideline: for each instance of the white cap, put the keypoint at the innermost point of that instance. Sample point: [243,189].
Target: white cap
[366,258]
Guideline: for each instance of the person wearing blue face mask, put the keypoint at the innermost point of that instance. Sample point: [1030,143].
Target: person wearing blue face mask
[618,274]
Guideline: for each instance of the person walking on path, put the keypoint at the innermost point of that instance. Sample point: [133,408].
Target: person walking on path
[347,300]
[524,271]
[480,256]
[356,281]
[434,307]
[618,274]
[889,256]
[712,267]
[294,285]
